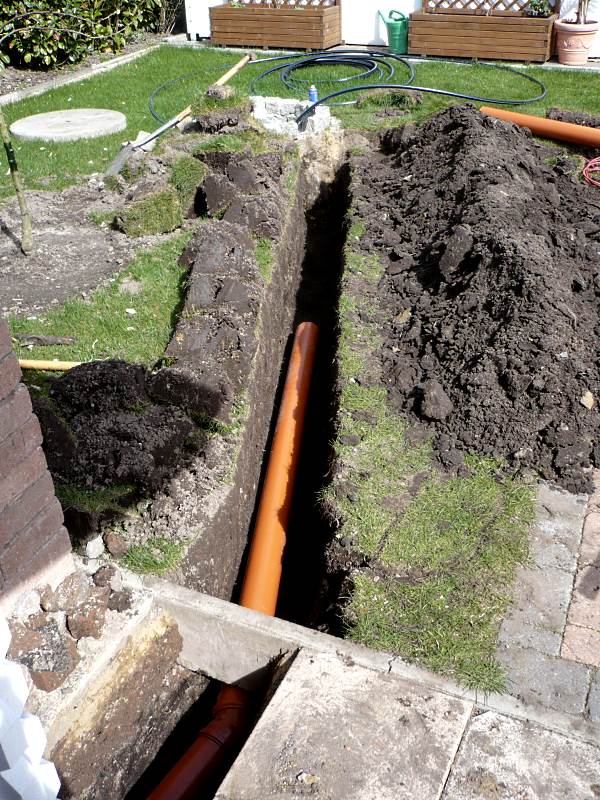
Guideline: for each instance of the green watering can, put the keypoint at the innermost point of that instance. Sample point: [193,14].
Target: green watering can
[397,31]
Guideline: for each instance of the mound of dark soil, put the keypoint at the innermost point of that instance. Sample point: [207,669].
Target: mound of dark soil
[102,428]
[492,288]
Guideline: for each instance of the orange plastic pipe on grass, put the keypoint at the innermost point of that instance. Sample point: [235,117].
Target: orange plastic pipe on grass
[260,587]
[549,128]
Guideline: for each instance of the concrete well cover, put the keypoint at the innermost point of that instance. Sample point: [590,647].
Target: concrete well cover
[69,125]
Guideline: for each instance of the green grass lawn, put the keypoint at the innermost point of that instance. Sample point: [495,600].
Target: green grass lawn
[442,558]
[104,326]
[127,89]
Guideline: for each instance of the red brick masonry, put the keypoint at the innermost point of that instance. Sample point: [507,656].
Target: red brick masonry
[34,545]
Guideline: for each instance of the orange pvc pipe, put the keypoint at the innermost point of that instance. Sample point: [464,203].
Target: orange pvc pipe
[549,128]
[263,572]
[260,588]
[230,718]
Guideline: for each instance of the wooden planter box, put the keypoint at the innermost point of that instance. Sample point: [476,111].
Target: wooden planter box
[304,28]
[507,37]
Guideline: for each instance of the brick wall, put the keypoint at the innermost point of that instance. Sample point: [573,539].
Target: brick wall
[34,546]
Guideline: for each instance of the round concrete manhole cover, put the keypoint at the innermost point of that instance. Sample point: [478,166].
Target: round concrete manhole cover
[69,125]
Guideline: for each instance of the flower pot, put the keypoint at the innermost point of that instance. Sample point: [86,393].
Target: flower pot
[573,41]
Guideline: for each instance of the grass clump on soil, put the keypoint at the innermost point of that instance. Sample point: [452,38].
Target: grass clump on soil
[187,174]
[155,557]
[207,104]
[442,557]
[160,212]
[234,142]
[210,425]
[103,326]
[82,499]
[264,258]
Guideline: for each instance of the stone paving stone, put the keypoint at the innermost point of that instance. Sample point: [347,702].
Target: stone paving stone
[581,644]
[514,630]
[594,501]
[555,537]
[338,731]
[541,598]
[585,604]
[544,681]
[593,707]
[554,503]
[590,543]
[502,758]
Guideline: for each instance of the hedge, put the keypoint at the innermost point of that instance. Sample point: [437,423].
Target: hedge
[48,33]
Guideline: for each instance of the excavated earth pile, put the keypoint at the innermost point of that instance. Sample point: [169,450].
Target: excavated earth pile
[492,248]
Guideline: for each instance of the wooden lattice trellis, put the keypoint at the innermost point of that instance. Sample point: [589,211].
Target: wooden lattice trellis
[487,8]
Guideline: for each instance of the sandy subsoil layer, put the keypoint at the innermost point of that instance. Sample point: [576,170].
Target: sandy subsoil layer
[492,248]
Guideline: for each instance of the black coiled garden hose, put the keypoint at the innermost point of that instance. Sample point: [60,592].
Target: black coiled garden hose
[377,64]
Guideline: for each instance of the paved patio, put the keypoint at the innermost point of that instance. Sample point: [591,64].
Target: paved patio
[550,638]
[338,730]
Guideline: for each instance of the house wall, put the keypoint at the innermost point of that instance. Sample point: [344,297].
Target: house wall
[34,546]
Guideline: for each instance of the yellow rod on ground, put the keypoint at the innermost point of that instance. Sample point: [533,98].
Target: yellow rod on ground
[59,366]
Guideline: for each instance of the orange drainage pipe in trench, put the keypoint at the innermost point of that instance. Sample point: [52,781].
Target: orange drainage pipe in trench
[260,587]
[549,128]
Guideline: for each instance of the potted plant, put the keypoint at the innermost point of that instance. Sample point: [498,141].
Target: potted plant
[574,37]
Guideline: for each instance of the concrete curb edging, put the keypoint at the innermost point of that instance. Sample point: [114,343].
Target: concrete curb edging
[90,72]
[236,645]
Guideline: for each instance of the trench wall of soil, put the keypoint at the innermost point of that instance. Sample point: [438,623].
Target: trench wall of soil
[213,561]
[182,446]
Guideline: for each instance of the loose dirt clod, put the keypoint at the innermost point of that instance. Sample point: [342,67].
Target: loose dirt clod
[493,246]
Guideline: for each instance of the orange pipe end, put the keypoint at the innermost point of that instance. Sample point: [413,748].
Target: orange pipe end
[263,572]
[549,128]
[230,720]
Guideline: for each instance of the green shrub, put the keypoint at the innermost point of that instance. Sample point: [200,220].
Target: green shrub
[187,174]
[158,213]
[46,33]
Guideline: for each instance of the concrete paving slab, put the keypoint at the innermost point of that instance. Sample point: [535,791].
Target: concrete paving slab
[556,534]
[69,125]
[501,758]
[541,598]
[585,605]
[590,543]
[593,705]
[340,731]
[542,680]
[514,630]
[581,644]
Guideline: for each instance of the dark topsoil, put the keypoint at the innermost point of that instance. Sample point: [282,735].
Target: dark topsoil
[103,427]
[492,248]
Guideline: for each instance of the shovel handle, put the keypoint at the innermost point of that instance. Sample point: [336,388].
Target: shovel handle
[221,82]
[233,71]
